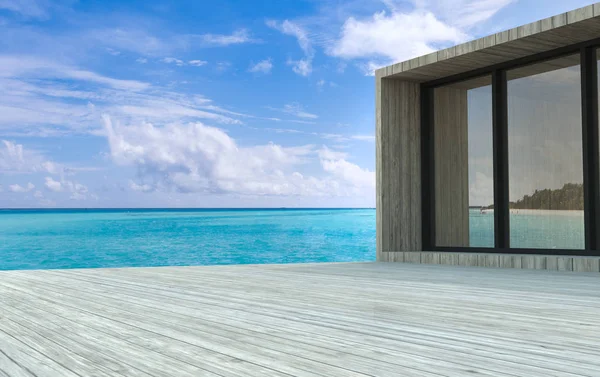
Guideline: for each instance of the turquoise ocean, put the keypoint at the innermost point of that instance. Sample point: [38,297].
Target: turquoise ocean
[57,239]
[50,239]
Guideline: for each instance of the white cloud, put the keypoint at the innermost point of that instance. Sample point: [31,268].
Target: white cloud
[237,37]
[481,190]
[131,39]
[321,83]
[77,190]
[263,66]
[18,188]
[329,136]
[14,158]
[175,61]
[223,66]
[38,194]
[200,158]
[141,60]
[336,164]
[113,52]
[197,63]
[144,42]
[397,35]
[167,110]
[302,66]
[53,185]
[464,13]
[295,109]
[28,8]
[35,68]
[363,137]
[49,107]
[140,187]
[370,67]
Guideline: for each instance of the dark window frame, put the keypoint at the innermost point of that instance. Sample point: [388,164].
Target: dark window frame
[591,151]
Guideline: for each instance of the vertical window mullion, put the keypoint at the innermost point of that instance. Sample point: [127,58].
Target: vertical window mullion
[591,154]
[500,150]
[427,169]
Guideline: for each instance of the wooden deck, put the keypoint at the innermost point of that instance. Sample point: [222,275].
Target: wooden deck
[365,319]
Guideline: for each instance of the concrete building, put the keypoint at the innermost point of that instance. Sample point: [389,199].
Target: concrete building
[488,151]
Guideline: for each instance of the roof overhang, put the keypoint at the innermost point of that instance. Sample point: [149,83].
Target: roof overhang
[552,33]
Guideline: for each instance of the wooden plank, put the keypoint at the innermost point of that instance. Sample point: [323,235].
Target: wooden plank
[565,263]
[114,332]
[449,258]
[583,264]
[528,261]
[552,263]
[8,367]
[402,319]
[21,360]
[468,259]
[70,355]
[412,257]
[161,325]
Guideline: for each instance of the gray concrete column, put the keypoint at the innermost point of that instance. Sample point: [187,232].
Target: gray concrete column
[398,171]
[451,167]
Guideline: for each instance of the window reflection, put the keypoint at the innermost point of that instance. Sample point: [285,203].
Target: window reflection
[464,189]
[545,155]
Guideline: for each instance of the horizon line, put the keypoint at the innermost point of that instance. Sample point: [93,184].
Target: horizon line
[224,208]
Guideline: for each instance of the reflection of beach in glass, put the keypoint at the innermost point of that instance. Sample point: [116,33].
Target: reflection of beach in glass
[545,155]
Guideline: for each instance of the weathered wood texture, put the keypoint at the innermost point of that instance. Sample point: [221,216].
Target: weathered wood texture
[554,32]
[398,171]
[536,262]
[451,167]
[371,319]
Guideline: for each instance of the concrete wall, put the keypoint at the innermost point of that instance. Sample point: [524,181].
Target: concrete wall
[451,166]
[398,166]
[536,262]
[398,171]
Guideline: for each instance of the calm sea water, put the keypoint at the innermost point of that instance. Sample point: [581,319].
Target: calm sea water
[45,239]
[118,238]
[532,229]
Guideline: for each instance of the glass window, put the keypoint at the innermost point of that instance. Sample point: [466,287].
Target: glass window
[545,155]
[464,179]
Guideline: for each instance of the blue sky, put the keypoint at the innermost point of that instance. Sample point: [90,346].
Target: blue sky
[210,104]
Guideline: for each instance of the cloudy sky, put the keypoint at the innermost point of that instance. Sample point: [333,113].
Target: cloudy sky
[210,104]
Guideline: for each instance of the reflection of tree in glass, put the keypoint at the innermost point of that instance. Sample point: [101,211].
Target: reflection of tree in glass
[569,197]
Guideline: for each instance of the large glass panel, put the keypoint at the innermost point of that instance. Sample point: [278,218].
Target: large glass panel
[545,155]
[464,172]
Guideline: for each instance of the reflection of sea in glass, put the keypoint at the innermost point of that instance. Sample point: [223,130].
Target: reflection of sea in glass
[532,229]
[545,155]
[481,228]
